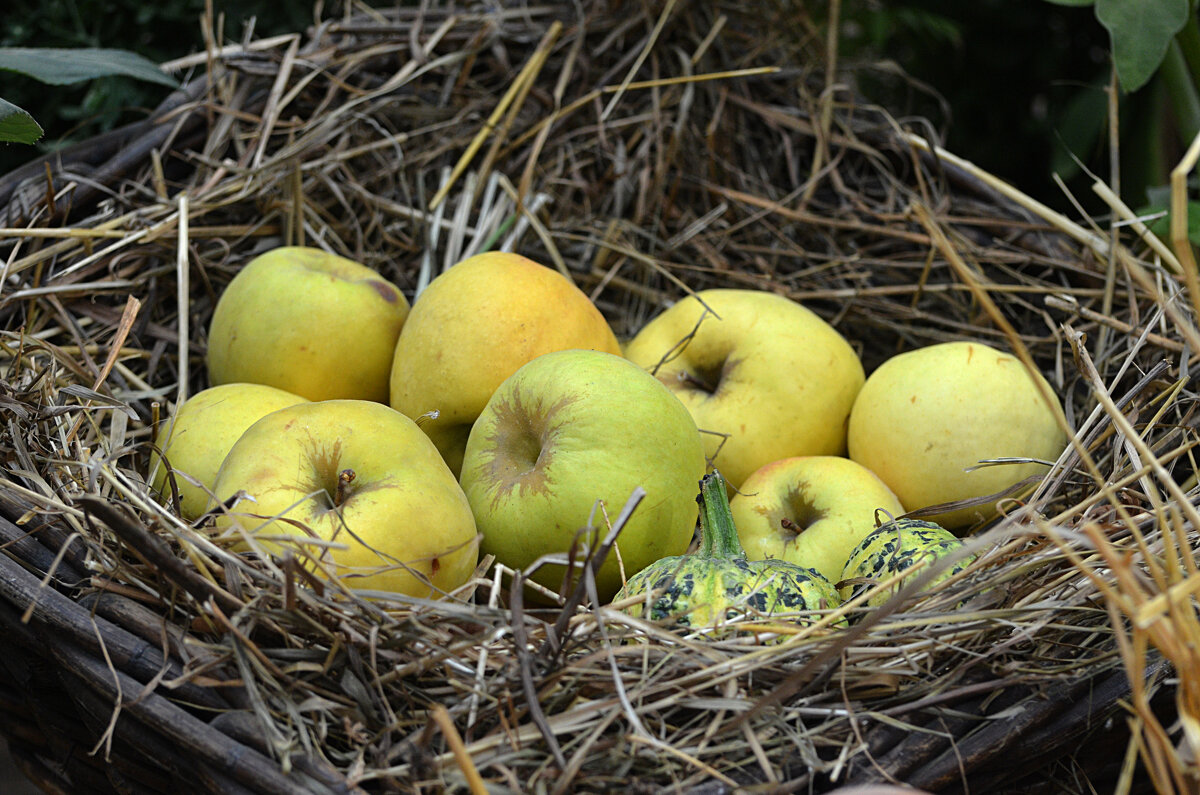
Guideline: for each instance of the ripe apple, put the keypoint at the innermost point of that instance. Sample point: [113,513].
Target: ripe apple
[199,434]
[570,428]
[357,474]
[925,417]
[309,322]
[472,327]
[763,376]
[811,511]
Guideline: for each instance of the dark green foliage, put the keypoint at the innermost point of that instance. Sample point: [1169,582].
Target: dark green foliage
[1016,87]
[160,31]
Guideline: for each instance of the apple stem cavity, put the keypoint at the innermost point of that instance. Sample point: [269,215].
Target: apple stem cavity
[696,382]
[718,535]
[345,478]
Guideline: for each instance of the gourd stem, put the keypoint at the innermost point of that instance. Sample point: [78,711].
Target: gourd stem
[718,536]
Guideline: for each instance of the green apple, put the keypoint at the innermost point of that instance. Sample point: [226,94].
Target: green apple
[472,327]
[363,481]
[926,418]
[197,436]
[811,511]
[570,428]
[308,322]
[764,377]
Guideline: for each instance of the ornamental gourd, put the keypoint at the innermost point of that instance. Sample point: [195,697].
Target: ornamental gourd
[717,584]
[894,547]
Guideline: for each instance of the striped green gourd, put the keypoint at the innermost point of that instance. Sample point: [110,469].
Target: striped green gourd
[717,583]
[893,547]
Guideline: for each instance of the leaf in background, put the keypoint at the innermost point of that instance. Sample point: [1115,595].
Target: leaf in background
[1161,225]
[63,66]
[17,126]
[1140,31]
[1080,124]
[1071,2]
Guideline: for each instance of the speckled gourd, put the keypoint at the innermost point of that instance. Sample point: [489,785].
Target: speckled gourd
[894,547]
[717,583]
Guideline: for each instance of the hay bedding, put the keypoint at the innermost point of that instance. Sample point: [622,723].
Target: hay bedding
[645,149]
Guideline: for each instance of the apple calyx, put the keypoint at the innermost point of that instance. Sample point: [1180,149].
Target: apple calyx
[718,536]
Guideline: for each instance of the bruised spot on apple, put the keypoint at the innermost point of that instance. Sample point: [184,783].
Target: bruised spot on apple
[387,291]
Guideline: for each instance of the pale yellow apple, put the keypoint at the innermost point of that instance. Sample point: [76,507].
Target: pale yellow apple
[309,322]
[197,436]
[570,428]
[925,418]
[362,476]
[764,377]
[811,511]
[472,327]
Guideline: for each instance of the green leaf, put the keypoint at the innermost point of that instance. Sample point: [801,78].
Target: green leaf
[1071,2]
[1140,32]
[1161,225]
[63,66]
[17,126]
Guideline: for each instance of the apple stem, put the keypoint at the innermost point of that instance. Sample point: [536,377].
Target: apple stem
[718,535]
[788,524]
[345,477]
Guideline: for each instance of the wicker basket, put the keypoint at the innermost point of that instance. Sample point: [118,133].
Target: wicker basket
[645,150]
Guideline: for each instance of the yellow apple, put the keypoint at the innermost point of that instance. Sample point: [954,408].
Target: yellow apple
[361,479]
[309,322]
[925,418]
[472,327]
[764,377]
[811,511]
[198,435]
[570,428]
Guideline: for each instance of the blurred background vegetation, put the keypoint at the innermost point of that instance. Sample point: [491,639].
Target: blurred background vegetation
[1018,86]
[161,30]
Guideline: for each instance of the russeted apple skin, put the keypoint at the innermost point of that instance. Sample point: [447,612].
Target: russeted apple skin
[403,517]
[308,322]
[831,503]
[198,436]
[926,416]
[473,327]
[765,377]
[570,428]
